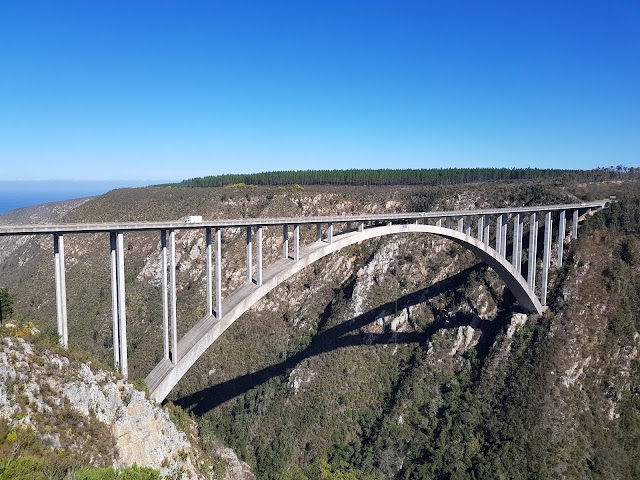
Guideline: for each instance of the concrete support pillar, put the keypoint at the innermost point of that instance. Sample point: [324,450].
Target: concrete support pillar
[249,255]
[296,242]
[259,255]
[165,294]
[348,226]
[114,300]
[499,234]
[122,313]
[505,228]
[516,255]
[562,227]
[447,222]
[318,231]
[480,228]
[533,250]
[439,222]
[574,225]
[467,226]
[218,275]
[173,298]
[361,227]
[520,234]
[61,288]
[330,233]
[546,259]
[461,224]
[487,230]
[285,241]
[209,269]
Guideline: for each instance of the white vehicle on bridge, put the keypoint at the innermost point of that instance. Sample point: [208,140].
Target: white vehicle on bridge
[193,219]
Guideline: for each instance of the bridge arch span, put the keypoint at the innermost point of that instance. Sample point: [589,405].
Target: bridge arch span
[166,375]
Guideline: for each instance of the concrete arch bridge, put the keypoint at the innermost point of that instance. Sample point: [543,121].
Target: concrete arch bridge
[483,232]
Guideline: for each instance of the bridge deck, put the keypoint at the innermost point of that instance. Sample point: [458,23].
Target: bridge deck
[246,222]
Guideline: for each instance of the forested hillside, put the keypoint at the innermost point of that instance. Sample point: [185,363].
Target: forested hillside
[397,358]
[423,176]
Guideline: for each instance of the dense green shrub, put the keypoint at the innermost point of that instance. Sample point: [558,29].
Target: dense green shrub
[130,473]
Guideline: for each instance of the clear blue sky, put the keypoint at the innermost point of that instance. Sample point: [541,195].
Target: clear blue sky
[156,90]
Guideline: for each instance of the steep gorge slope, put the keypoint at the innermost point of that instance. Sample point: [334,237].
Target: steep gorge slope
[399,357]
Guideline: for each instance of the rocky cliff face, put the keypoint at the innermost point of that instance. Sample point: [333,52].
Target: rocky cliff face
[74,405]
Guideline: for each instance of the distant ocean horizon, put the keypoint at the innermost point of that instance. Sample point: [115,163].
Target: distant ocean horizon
[18,194]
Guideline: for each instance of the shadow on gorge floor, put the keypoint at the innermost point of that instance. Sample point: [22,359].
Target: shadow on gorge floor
[338,336]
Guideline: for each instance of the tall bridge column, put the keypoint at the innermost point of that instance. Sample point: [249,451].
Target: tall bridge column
[119,313]
[517,242]
[259,255]
[574,225]
[285,241]
[505,230]
[61,288]
[218,264]
[561,232]
[533,247]
[165,293]
[520,235]
[467,226]
[208,271]
[487,229]
[249,256]
[318,231]
[330,233]
[296,242]
[461,224]
[172,295]
[438,222]
[480,228]
[499,234]
[546,259]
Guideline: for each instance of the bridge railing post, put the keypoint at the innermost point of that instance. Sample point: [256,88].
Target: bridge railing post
[61,288]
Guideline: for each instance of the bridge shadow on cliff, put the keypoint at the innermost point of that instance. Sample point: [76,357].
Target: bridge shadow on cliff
[345,334]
